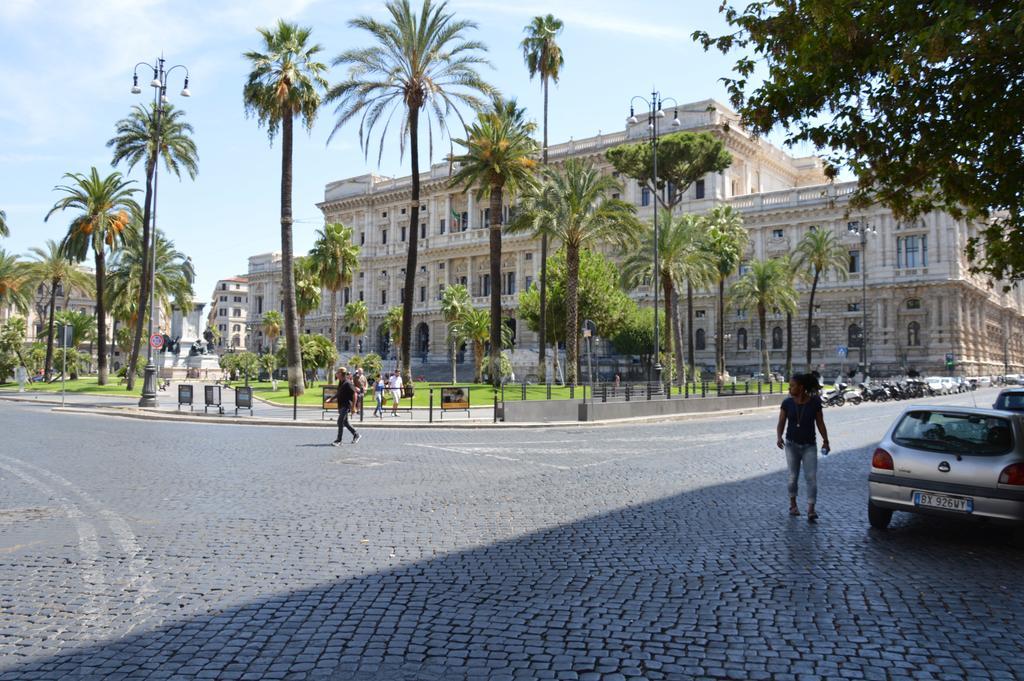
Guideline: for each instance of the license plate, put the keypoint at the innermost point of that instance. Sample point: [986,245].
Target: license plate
[945,502]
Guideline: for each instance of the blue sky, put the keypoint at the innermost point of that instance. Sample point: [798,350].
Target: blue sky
[67,68]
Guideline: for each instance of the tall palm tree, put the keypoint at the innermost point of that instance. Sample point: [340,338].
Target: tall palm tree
[766,285]
[104,206]
[272,323]
[455,301]
[574,206]
[394,323]
[725,241]
[421,64]
[82,325]
[136,141]
[335,259]
[818,253]
[307,289]
[357,319]
[4,230]
[499,160]
[286,82]
[794,274]
[14,282]
[681,259]
[474,327]
[543,57]
[52,268]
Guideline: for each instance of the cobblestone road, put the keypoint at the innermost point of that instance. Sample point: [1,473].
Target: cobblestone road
[144,550]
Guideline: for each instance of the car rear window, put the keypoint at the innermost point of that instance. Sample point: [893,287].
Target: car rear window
[1010,401]
[954,433]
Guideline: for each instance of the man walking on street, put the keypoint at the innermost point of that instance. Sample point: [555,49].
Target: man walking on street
[396,392]
[345,397]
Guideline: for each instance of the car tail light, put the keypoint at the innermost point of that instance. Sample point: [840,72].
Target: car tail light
[883,460]
[1012,475]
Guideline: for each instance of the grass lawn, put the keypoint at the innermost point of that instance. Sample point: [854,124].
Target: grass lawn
[84,384]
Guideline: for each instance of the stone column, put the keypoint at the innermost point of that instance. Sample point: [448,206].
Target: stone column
[470,209]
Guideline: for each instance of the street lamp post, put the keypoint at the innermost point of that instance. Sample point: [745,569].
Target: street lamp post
[159,85]
[862,229]
[654,115]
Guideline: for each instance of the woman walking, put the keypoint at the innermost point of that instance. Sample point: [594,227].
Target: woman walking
[800,413]
[378,394]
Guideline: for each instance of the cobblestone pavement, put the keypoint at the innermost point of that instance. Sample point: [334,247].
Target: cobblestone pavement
[151,550]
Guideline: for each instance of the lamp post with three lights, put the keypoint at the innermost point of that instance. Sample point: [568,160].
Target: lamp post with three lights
[861,229]
[159,85]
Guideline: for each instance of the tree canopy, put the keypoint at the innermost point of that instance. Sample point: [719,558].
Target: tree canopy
[920,100]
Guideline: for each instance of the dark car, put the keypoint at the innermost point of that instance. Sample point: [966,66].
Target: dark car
[1011,399]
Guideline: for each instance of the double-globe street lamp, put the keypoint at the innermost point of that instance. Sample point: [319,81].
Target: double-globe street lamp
[159,85]
[654,115]
[861,229]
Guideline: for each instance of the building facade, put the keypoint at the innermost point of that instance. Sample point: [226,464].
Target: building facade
[908,301]
[229,310]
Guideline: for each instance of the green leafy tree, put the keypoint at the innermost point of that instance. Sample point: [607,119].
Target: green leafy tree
[307,289]
[82,325]
[371,363]
[919,100]
[268,363]
[357,319]
[454,302]
[421,65]
[69,360]
[818,253]
[247,364]
[104,206]
[4,229]
[574,205]
[14,282]
[272,324]
[725,242]
[144,138]
[12,338]
[474,326]
[286,82]
[635,335]
[53,269]
[317,352]
[335,259]
[229,363]
[543,58]
[498,161]
[766,285]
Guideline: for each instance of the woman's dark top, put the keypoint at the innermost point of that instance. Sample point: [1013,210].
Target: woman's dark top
[800,419]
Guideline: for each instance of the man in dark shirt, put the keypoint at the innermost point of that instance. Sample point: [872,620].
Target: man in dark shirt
[345,397]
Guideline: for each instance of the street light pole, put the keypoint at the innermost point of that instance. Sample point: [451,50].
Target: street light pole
[861,229]
[655,113]
[159,85]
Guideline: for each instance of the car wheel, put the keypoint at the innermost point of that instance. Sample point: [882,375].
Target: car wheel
[879,517]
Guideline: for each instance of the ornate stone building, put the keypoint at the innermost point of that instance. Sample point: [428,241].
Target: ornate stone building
[918,301]
[229,309]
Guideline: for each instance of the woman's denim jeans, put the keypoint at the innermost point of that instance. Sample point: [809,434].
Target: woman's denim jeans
[805,456]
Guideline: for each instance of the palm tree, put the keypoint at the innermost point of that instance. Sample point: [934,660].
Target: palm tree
[574,206]
[725,242]
[394,323]
[766,285]
[335,259]
[794,275]
[53,268]
[818,253]
[357,319]
[682,259]
[14,282]
[136,141]
[498,159]
[455,301]
[4,231]
[272,324]
[82,325]
[307,289]
[543,57]
[474,326]
[286,81]
[105,207]
[422,65]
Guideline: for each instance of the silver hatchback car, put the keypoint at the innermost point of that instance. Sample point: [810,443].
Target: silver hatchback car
[953,461]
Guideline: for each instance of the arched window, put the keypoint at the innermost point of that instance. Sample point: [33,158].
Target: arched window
[741,339]
[777,338]
[913,334]
[701,343]
[815,336]
[423,338]
[854,337]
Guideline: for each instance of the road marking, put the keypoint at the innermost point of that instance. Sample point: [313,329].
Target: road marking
[493,456]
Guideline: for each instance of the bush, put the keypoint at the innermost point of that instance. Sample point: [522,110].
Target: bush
[140,368]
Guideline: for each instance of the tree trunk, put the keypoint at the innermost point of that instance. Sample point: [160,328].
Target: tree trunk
[667,288]
[677,338]
[689,329]
[133,353]
[720,336]
[542,365]
[572,278]
[334,318]
[455,357]
[495,239]
[405,350]
[789,345]
[764,341]
[478,361]
[49,341]
[554,361]
[101,317]
[810,317]
[296,379]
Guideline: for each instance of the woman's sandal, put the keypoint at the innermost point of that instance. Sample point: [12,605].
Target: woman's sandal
[812,515]
[794,511]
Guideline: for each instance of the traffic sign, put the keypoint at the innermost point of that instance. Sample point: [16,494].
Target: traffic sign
[842,350]
[157,341]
